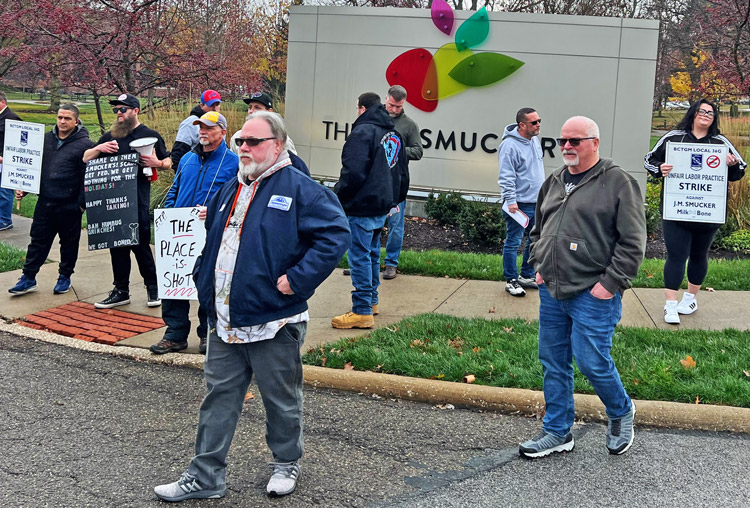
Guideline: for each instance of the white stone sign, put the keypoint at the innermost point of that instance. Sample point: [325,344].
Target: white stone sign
[179,236]
[696,189]
[22,156]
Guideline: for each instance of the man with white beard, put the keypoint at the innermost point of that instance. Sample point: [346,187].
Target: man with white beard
[273,236]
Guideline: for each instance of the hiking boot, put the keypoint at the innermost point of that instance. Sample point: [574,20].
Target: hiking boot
[152,293]
[202,346]
[389,272]
[620,432]
[670,313]
[375,310]
[62,286]
[115,299]
[187,487]
[352,320]
[528,283]
[284,478]
[347,271]
[167,346]
[514,288]
[23,286]
[545,444]
[688,305]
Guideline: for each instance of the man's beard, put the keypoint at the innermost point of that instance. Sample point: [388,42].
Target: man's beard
[122,129]
[574,162]
[254,169]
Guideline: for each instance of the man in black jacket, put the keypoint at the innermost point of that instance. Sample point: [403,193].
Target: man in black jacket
[6,195]
[187,132]
[374,179]
[61,201]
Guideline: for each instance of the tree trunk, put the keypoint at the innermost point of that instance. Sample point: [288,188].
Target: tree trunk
[99,116]
[54,92]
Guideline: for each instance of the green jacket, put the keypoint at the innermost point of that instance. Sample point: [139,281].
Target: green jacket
[597,233]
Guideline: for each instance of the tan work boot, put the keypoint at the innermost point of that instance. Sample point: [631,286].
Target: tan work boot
[375,310]
[352,320]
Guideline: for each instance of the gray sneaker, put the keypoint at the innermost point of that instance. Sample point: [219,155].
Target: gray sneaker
[545,444]
[187,487]
[528,283]
[620,432]
[284,478]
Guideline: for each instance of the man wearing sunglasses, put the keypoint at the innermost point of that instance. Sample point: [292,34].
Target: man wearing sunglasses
[201,174]
[273,235]
[521,176]
[586,246]
[128,128]
[187,132]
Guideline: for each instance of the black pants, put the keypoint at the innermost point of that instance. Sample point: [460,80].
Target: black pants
[175,315]
[144,257]
[686,241]
[50,219]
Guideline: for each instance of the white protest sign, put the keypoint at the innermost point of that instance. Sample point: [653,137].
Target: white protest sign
[179,236]
[22,156]
[696,189]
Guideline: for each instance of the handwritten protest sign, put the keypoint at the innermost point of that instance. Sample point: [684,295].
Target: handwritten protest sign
[179,236]
[22,156]
[696,189]
[112,201]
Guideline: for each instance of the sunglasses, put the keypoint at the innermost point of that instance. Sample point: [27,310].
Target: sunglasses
[535,122]
[573,141]
[122,110]
[250,141]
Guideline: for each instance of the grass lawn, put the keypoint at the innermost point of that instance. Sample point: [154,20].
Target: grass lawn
[504,353]
[11,258]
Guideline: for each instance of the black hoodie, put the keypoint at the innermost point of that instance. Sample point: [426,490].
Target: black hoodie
[375,172]
[63,168]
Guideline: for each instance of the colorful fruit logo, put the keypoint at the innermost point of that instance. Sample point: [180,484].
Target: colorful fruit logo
[454,67]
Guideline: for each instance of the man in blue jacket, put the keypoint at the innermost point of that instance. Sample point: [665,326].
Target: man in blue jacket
[200,175]
[273,236]
[374,178]
[61,201]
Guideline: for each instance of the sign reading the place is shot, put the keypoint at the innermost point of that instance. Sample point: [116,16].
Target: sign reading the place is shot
[179,236]
[22,156]
[696,189]
[111,189]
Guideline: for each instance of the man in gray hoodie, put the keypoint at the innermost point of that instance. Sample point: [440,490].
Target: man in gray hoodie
[521,176]
[586,246]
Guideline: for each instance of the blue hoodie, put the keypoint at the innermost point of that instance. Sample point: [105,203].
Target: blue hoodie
[521,167]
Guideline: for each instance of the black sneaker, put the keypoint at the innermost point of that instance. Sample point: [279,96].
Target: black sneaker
[202,345]
[153,296]
[115,299]
[167,346]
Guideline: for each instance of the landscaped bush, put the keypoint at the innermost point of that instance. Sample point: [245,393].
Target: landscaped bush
[445,207]
[482,223]
[653,217]
[739,241]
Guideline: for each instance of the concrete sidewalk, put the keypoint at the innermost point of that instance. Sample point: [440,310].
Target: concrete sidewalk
[403,296]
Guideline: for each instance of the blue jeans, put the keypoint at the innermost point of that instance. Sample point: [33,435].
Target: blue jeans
[395,236]
[364,261]
[6,206]
[581,328]
[513,239]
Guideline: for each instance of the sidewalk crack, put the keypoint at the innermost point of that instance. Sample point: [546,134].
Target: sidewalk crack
[449,296]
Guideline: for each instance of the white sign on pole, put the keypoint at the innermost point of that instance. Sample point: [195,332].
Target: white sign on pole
[179,236]
[22,156]
[696,189]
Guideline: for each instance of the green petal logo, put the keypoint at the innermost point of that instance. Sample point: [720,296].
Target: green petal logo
[454,66]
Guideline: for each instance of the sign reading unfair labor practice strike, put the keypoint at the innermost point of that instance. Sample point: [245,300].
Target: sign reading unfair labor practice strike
[179,236]
[22,156]
[696,189]
[112,201]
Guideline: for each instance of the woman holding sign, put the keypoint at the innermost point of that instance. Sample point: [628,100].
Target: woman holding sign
[686,240]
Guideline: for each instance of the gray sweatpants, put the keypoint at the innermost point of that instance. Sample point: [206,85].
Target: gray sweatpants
[228,370]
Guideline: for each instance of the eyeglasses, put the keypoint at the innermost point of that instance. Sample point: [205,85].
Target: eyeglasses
[535,122]
[573,141]
[705,112]
[122,110]
[250,141]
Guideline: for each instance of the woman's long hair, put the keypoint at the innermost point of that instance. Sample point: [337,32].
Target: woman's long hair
[686,124]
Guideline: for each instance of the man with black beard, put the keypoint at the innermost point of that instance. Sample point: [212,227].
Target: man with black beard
[128,128]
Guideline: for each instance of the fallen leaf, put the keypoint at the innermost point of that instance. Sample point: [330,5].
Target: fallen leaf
[746,373]
[697,399]
[475,349]
[416,342]
[249,396]
[635,381]
[508,329]
[469,378]
[392,330]
[323,361]
[348,366]
[688,362]
[492,310]
[440,376]
[445,406]
[649,275]
[711,290]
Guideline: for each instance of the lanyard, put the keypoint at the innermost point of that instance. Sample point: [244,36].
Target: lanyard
[234,204]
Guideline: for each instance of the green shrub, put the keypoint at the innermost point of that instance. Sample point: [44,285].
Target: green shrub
[482,223]
[445,207]
[725,231]
[738,241]
[653,216]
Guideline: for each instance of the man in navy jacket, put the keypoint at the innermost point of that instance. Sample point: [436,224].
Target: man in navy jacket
[273,236]
[200,175]
[374,179]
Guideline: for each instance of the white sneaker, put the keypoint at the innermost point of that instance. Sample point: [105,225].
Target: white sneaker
[514,288]
[688,305]
[670,313]
[528,283]
[284,478]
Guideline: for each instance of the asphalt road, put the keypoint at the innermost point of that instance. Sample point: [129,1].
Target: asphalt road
[86,430]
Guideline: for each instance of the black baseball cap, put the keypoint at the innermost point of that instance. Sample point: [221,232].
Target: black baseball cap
[126,99]
[261,97]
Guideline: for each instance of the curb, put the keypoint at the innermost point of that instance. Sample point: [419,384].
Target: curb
[673,415]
